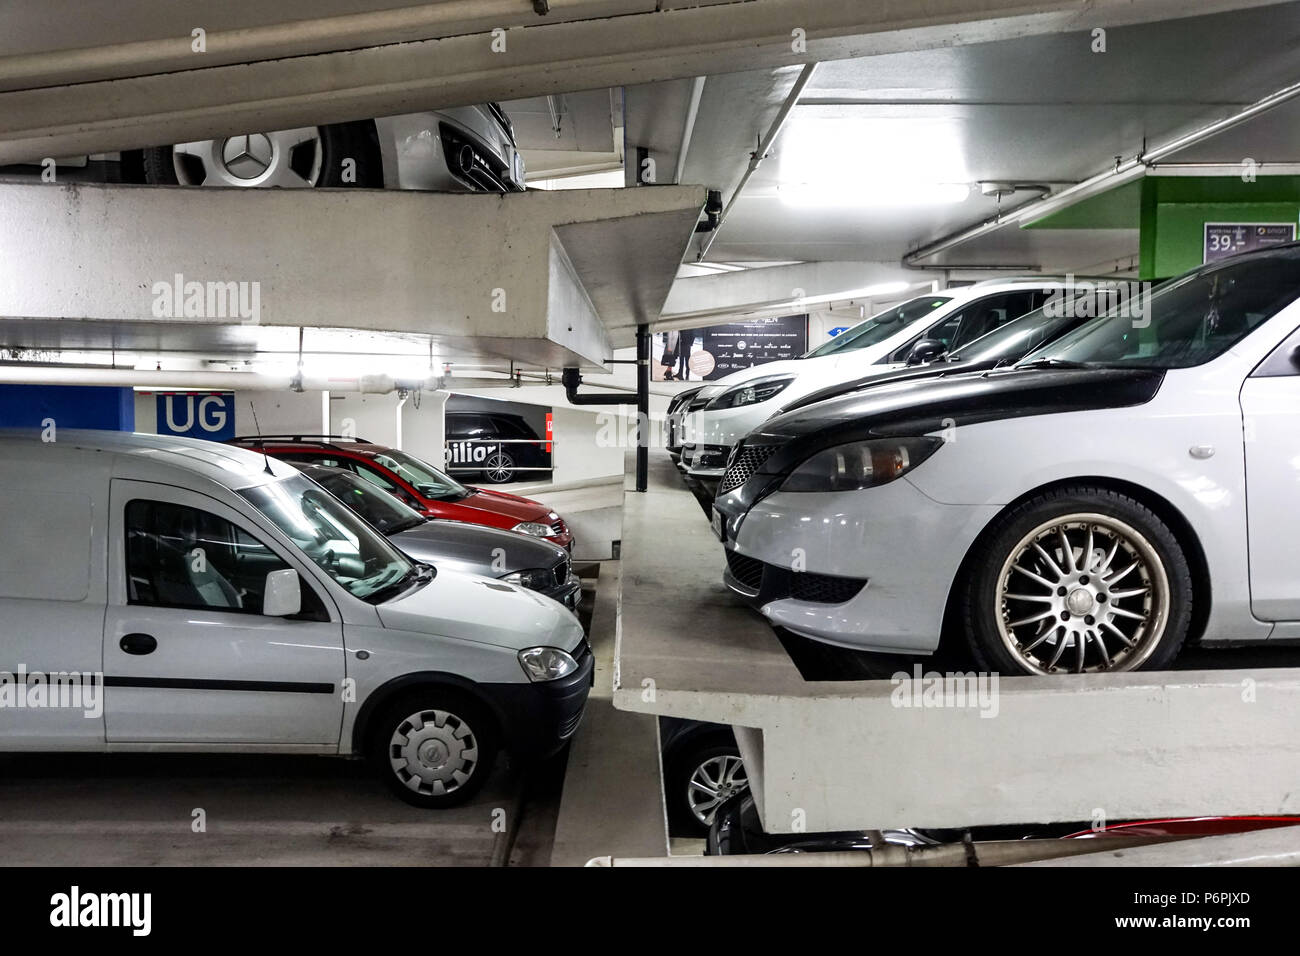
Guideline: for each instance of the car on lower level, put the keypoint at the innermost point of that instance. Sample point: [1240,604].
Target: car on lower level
[195,597]
[520,559]
[416,483]
[1125,489]
[702,770]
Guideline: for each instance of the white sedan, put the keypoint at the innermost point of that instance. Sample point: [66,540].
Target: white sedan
[1129,487]
[932,324]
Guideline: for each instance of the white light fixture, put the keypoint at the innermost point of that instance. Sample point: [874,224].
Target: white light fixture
[886,161]
[821,195]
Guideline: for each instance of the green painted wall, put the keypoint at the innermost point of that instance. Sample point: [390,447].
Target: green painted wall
[1175,209]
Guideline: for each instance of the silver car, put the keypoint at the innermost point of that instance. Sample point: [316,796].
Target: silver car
[466,149]
[530,562]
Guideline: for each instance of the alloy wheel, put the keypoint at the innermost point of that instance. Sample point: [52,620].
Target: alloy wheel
[499,467]
[713,782]
[1082,593]
[433,752]
[289,158]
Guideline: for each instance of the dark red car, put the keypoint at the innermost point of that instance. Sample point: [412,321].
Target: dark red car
[428,490]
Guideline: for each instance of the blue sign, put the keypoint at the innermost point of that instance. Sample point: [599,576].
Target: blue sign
[837,330]
[209,415]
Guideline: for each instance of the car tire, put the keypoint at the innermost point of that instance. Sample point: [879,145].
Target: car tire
[434,748]
[697,758]
[337,144]
[1122,596]
[500,468]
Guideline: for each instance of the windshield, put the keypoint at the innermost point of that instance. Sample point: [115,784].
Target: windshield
[1187,321]
[425,479]
[341,544]
[880,326]
[1015,338]
[378,507]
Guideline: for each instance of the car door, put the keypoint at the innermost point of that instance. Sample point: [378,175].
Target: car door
[1270,408]
[188,656]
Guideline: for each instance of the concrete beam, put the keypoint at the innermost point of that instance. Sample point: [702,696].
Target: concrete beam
[336,68]
[794,288]
[539,278]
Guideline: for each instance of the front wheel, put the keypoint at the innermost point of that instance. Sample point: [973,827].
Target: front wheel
[499,468]
[699,776]
[434,749]
[1082,580]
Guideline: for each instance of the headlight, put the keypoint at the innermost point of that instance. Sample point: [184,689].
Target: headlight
[863,464]
[546,663]
[751,393]
[535,528]
[535,579]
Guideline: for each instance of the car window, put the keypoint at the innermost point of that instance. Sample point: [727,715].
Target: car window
[1187,321]
[513,428]
[382,510]
[470,426]
[340,543]
[976,320]
[313,458]
[177,556]
[426,479]
[880,326]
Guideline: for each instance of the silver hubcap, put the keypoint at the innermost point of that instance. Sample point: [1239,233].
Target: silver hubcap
[1082,593]
[714,781]
[498,467]
[289,158]
[433,752]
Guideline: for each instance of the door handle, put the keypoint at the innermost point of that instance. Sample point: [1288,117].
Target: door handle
[138,643]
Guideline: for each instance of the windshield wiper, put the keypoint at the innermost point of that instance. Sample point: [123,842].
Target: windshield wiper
[1054,363]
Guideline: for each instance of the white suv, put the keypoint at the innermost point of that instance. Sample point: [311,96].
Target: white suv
[930,324]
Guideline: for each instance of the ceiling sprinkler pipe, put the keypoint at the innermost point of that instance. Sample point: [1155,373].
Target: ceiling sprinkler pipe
[1124,171]
[35,374]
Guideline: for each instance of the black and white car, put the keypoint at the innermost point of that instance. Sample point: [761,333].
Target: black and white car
[1120,491]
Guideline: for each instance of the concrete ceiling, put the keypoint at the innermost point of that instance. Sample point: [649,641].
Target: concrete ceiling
[1037,110]
[130,76]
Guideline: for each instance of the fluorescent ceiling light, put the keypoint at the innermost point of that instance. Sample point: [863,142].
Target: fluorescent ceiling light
[873,161]
[821,195]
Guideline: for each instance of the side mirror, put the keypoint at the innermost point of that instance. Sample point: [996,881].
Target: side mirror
[282,595]
[926,350]
[1295,357]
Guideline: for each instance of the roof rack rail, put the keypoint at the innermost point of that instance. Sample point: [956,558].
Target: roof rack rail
[318,439]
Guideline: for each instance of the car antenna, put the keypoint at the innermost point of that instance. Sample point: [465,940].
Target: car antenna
[260,444]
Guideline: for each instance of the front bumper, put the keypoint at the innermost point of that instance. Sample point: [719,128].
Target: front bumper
[539,718]
[869,569]
[705,461]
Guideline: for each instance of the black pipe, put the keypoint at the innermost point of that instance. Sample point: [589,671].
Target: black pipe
[572,378]
[642,407]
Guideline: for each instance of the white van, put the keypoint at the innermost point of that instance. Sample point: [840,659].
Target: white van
[169,594]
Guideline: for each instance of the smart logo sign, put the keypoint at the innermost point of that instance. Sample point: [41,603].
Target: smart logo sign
[209,415]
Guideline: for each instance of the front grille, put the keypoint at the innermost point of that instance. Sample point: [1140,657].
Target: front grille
[561,573]
[747,571]
[558,527]
[823,588]
[749,459]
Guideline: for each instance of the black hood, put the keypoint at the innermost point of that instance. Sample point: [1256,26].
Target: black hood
[932,404]
[888,376]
